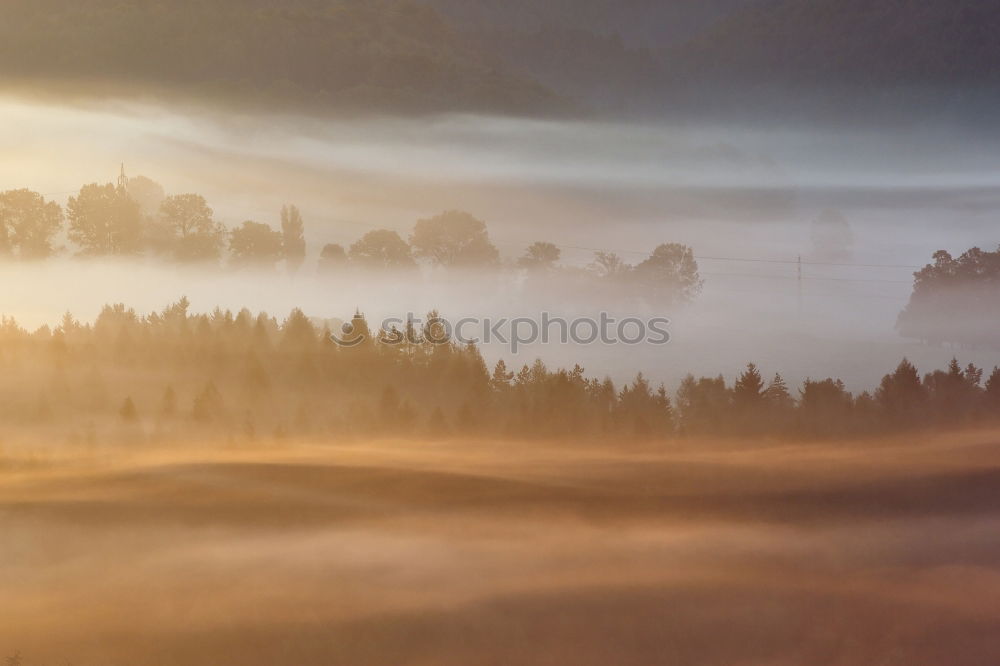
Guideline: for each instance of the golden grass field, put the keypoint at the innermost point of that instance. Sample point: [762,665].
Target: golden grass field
[464,553]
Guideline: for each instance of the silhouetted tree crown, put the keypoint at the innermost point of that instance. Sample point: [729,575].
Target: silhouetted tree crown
[147,193]
[956,301]
[454,239]
[610,266]
[332,258]
[670,274]
[293,239]
[104,220]
[189,233]
[749,388]
[255,244]
[382,249]
[902,396]
[28,224]
[540,256]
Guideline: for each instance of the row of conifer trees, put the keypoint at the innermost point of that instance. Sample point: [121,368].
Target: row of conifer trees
[244,375]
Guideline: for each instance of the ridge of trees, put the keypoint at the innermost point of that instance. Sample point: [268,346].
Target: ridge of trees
[137,217]
[175,374]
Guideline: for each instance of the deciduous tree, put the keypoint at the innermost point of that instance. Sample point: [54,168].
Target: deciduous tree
[192,234]
[104,220]
[28,224]
[254,244]
[293,239]
[382,249]
[454,239]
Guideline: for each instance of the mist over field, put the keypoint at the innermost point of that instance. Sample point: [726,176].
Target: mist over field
[391,553]
[410,332]
[745,197]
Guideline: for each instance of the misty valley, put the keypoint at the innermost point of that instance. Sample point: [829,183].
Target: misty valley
[453,332]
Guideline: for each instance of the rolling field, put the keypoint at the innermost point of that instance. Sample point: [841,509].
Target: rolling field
[469,553]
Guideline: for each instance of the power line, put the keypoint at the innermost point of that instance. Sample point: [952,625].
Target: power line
[798,277]
[772,276]
[646,253]
[798,262]
[795,262]
[804,262]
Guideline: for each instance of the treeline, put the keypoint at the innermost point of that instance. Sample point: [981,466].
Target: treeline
[176,376]
[956,300]
[136,217]
[949,398]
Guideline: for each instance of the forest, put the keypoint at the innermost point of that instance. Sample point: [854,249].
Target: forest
[241,376]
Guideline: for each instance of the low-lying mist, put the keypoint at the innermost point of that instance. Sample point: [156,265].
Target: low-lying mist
[736,194]
[194,483]
[440,553]
[844,330]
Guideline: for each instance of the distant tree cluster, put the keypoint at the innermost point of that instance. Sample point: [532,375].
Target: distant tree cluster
[175,375]
[954,397]
[137,217]
[458,240]
[956,301]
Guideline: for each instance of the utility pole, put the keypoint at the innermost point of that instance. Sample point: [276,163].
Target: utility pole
[799,265]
